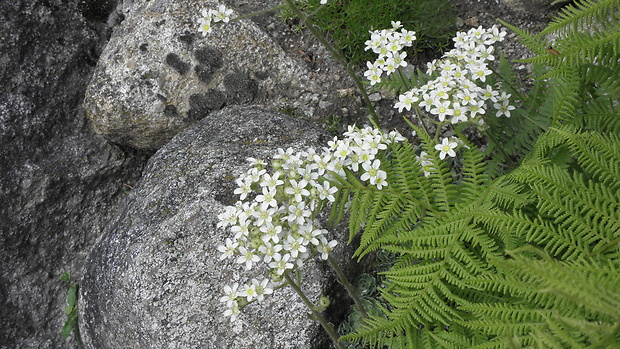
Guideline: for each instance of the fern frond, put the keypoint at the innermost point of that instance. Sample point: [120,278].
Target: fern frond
[566,93]
[531,41]
[586,30]
[599,155]
[582,12]
[393,209]
[562,304]
[510,139]
[474,175]
[443,189]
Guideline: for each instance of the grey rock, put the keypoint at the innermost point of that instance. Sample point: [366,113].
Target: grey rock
[157,65]
[154,279]
[60,183]
[375,97]
[533,7]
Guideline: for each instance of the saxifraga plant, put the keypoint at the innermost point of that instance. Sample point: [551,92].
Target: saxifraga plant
[521,249]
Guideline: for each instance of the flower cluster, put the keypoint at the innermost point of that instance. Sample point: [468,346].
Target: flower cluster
[387,43]
[222,14]
[455,95]
[274,223]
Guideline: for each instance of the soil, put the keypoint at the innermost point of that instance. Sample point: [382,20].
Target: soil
[328,73]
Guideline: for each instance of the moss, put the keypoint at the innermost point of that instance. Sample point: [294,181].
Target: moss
[348,21]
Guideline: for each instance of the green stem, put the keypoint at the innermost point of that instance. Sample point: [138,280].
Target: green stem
[315,314]
[347,285]
[374,119]
[402,78]
[520,97]
[417,114]
[510,85]
[500,147]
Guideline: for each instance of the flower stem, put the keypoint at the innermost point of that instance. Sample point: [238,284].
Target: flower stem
[373,118]
[315,314]
[347,285]
[500,147]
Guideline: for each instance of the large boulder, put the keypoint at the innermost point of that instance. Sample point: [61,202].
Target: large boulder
[158,74]
[60,183]
[154,279]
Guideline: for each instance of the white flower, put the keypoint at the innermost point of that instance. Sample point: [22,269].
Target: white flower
[230,294]
[380,180]
[205,25]
[297,189]
[241,229]
[298,213]
[502,98]
[264,215]
[249,292]
[442,109]
[228,217]
[261,289]
[373,73]
[271,181]
[459,113]
[269,251]
[323,163]
[405,101]
[490,93]
[245,187]
[311,235]
[228,250]
[466,96]
[407,37]
[446,147]
[503,109]
[480,72]
[267,198]
[222,14]
[256,162]
[248,257]
[325,248]
[271,233]
[326,191]
[232,311]
[254,174]
[426,163]
[476,108]
[295,245]
[280,264]
[308,174]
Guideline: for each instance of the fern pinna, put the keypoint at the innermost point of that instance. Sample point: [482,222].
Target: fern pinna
[428,222]
[521,248]
[562,289]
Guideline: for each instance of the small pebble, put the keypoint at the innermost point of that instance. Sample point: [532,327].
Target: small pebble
[375,97]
